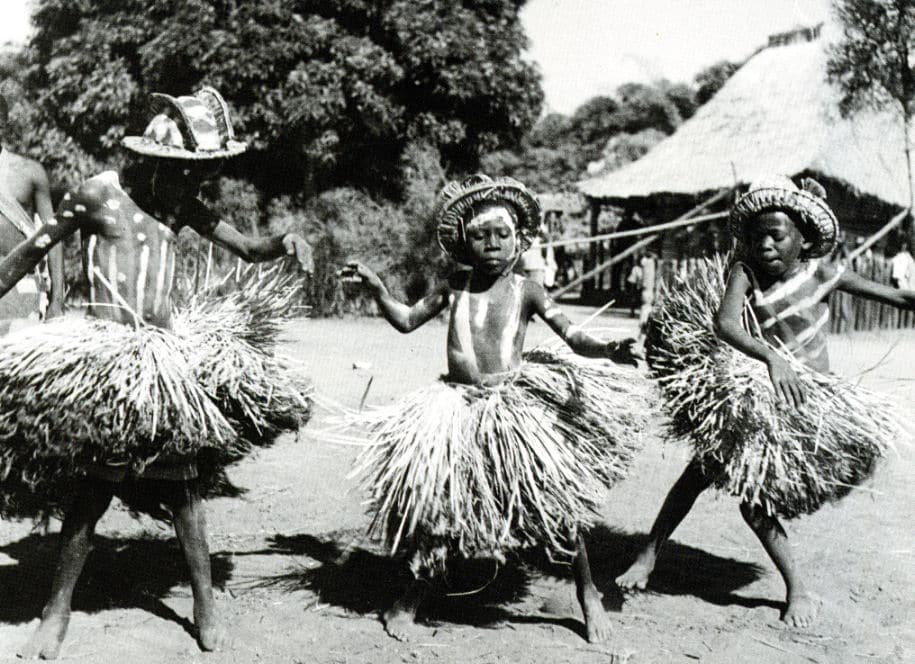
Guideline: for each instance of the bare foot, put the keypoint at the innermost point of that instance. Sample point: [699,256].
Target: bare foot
[597,623]
[47,639]
[399,619]
[802,610]
[636,577]
[211,633]
[399,622]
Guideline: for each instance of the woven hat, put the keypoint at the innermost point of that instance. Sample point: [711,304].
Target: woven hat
[188,127]
[778,192]
[457,201]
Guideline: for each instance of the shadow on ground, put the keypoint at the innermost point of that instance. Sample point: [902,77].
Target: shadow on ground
[344,570]
[120,573]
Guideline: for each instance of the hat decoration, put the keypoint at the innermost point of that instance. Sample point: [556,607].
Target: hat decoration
[188,127]
[457,201]
[778,192]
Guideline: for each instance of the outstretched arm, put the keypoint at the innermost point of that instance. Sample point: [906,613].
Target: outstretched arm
[728,327]
[578,340]
[854,283]
[252,249]
[402,317]
[42,198]
[23,259]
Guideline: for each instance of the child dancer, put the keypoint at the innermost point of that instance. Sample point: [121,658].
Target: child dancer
[782,454]
[509,450]
[111,403]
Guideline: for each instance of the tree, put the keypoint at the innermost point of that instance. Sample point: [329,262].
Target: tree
[711,79]
[327,92]
[873,64]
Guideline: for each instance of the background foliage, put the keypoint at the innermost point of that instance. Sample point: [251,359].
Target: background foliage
[356,112]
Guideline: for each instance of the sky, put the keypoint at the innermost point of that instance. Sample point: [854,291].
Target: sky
[590,47]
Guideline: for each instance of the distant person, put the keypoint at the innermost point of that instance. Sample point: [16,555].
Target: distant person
[532,263]
[902,268]
[634,284]
[648,265]
[24,192]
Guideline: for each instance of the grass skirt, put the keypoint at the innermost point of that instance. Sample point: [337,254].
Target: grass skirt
[233,337]
[764,452]
[77,392]
[476,471]
[81,391]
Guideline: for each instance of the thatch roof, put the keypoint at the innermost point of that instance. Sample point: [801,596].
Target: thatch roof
[776,114]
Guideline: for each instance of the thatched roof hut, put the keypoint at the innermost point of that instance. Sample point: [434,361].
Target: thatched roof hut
[776,114]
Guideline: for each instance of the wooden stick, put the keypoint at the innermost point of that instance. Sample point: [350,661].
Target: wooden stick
[606,264]
[677,223]
[876,237]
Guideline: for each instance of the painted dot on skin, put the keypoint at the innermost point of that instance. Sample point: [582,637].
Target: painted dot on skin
[79,207]
[42,240]
[113,204]
[138,217]
[67,196]
[552,312]
[122,277]
[141,237]
[66,214]
[52,221]
[110,219]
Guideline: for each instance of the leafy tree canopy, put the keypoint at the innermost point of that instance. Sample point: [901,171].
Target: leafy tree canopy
[326,92]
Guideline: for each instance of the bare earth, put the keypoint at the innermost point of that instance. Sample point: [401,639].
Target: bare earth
[297,582]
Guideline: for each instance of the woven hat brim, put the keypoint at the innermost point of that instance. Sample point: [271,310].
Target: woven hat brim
[814,212]
[146,146]
[449,215]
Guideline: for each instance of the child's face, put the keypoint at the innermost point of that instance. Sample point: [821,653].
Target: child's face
[491,239]
[775,243]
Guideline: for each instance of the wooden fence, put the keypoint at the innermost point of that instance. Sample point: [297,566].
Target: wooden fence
[847,313]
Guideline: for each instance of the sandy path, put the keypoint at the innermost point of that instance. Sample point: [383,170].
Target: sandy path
[297,583]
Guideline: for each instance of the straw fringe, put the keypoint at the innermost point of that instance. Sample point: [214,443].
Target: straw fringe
[476,471]
[233,336]
[721,401]
[75,392]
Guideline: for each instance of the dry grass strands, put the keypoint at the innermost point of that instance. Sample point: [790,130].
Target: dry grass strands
[764,452]
[475,471]
[233,337]
[82,391]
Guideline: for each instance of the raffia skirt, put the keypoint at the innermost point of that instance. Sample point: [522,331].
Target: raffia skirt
[788,462]
[81,396]
[469,471]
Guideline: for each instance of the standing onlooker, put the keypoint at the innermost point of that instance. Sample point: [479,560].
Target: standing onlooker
[648,263]
[903,268]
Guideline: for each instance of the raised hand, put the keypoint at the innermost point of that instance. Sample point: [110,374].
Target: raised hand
[295,245]
[622,352]
[357,273]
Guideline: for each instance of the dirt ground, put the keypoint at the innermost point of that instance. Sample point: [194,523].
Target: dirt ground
[297,582]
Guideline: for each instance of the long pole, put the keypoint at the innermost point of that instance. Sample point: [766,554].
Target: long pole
[688,215]
[873,239]
[606,264]
[638,231]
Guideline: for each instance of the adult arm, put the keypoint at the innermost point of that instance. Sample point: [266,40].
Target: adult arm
[251,249]
[42,200]
[729,328]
